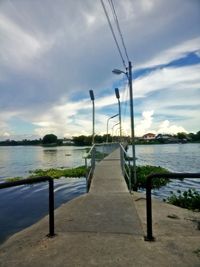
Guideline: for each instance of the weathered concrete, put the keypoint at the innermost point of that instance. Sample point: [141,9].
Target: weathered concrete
[108,207]
[108,177]
[102,229]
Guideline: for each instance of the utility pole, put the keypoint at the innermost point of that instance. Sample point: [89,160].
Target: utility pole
[128,74]
[93,114]
[132,120]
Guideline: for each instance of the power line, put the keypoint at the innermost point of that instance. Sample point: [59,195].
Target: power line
[118,27]
[113,33]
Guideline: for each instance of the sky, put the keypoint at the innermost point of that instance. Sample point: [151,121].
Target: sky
[53,52]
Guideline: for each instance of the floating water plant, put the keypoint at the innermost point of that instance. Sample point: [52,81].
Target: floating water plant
[189,199]
[55,173]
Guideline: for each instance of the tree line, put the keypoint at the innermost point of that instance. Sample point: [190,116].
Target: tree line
[84,140]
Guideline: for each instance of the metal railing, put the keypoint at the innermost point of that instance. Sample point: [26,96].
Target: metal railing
[90,167]
[126,166]
[51,195]
[149,236]
[96,153]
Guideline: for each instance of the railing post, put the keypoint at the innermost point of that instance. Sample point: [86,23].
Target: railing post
[129,170]
[122,159]
[51,208]
[93,158]
[149,236]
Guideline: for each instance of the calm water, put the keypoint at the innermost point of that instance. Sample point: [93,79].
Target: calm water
[174,157]
[24,205]
[18,161]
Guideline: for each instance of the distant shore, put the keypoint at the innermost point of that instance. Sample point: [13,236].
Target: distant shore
[33,143]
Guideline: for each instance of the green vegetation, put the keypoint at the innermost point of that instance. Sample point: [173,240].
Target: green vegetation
[13,179]
[188,199]
[143,171]
[83,140]
[98,155]
[197,252]
[55,173]
[49,139]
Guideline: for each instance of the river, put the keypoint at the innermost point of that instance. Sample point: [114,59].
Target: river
[175,158]
[24,205]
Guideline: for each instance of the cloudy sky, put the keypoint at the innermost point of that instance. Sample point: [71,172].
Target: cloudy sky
[53,52]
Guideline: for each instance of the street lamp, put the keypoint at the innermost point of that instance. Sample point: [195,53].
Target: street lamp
[129,77]
[107,124]
[113,129]
[93,113]
[120,121]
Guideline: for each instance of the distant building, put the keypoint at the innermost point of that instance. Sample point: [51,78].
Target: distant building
[149,136]
[68,141]
[167,138]
[164,136]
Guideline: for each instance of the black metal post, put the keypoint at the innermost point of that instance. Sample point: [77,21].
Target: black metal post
[51,208]
[93,115]
[51,195]
[149,236]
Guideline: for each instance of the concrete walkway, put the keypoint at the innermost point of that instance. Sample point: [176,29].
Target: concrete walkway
[102,228]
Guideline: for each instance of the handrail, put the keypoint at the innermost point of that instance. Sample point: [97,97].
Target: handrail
[94,157]
[124,156]
[92,166]
[89,152]
[149,236]
[51,195]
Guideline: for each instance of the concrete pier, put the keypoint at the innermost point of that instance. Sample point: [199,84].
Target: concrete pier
[105,228]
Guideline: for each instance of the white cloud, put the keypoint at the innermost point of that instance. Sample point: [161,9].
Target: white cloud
[174,52]
[17,46]
[6,134]
[145,124]
[51,52]
[166,128]
[148,124]
[176,78]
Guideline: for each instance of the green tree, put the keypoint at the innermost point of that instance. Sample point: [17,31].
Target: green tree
[198,136]
[82,140]
[49,139]
[182,136]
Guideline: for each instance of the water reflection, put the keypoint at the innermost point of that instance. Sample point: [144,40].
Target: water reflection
[50,155]
[24,205]
[18,161]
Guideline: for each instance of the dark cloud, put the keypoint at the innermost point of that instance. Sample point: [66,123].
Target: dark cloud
[52,50]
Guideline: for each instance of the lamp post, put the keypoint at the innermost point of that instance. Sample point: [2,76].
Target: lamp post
[107,124]
[119,105]
[113,129]
[93,114]
[129,77]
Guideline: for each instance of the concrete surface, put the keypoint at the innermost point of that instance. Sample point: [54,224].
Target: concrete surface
[103,228]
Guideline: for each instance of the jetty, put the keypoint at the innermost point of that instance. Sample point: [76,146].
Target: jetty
[106,227]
